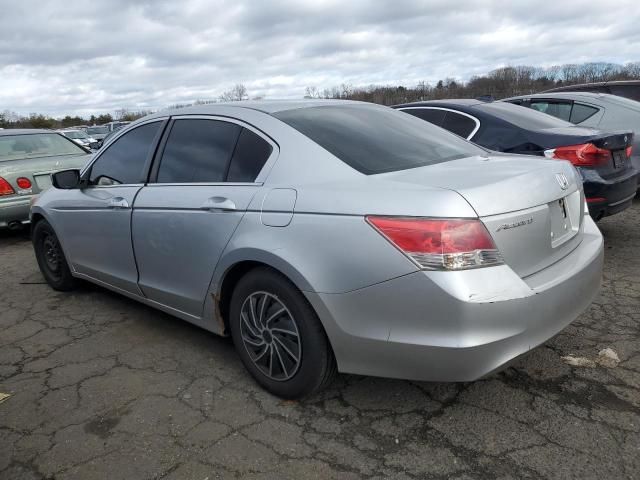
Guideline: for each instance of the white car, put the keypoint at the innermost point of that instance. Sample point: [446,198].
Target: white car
[80,137]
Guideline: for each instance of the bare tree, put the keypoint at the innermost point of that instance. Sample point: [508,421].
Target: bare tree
[236,94]
[312,92]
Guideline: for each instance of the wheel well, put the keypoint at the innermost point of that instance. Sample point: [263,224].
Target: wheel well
[231,279]
[35,218]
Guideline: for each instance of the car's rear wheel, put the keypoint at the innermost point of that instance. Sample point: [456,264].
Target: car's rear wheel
[279,337]
[50,257]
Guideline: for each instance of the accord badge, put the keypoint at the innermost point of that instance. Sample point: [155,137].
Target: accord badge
[507,226]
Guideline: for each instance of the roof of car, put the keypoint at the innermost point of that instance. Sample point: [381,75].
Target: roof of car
[596,84]
[449,101]
[23,131]
[563,95]
[266,106]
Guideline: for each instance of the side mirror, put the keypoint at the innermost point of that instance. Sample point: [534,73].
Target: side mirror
[66,179]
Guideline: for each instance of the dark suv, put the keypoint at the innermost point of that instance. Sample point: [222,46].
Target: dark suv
[622,88]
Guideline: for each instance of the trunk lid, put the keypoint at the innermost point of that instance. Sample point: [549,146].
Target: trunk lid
[532,207]
[38,170]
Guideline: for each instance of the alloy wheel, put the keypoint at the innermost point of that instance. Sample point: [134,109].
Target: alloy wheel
[270,335]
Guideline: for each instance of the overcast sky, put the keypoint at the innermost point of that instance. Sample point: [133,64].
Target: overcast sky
[66,57]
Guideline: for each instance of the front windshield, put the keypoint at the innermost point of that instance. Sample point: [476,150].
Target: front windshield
[98,130]
[36,145]
[75,134]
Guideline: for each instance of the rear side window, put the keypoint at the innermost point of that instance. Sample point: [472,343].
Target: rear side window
[561,110]
[581,112]
[459,124]
[523,117]
[431,115]
[124,160]
[374,139]
[198,151]
[249,157]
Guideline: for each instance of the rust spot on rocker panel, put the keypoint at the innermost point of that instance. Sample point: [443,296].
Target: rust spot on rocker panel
[218,314]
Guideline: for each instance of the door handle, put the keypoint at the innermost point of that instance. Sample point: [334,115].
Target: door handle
[218,203]
[118,203]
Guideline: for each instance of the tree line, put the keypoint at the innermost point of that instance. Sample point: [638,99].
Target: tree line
[9,119]
[499,83]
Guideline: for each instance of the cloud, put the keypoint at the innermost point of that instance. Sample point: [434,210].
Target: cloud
[91,57]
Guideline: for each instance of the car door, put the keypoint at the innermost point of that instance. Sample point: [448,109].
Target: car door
[203,180]
[94,222]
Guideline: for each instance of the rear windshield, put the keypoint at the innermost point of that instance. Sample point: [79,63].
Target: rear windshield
[375,139]
[97,130]
[36,145]
[75,134]
[522,117]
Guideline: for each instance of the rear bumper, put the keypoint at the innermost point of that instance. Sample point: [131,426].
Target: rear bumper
[15,210]
[608,196]
[458,326]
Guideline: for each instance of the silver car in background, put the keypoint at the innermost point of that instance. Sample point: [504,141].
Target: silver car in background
[328,235]
[587,109]
[80,137]
[28,157]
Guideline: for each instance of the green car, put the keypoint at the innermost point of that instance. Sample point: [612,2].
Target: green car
[27,160]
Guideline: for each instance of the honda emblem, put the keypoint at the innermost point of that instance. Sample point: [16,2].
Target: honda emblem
[562,181]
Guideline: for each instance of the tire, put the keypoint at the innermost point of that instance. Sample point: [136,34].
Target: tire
[51,259]
[279,307]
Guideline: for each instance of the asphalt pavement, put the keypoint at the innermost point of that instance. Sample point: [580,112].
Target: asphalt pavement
[100,386]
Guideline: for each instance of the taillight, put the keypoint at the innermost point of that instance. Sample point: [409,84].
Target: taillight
[23,183]
[628,151]
[6,188]
[440,244]
[583,155]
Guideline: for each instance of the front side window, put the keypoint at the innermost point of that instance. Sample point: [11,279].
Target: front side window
[373,139]
[124,160]
[459,124]
[198,151]
[37,145]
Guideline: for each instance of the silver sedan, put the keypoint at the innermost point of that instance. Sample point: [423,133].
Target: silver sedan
[328,236]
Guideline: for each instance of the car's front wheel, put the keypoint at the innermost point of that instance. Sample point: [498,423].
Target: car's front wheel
[279,337]
[50,257]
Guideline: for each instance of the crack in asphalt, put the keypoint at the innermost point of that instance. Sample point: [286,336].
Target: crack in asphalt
[103,387]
